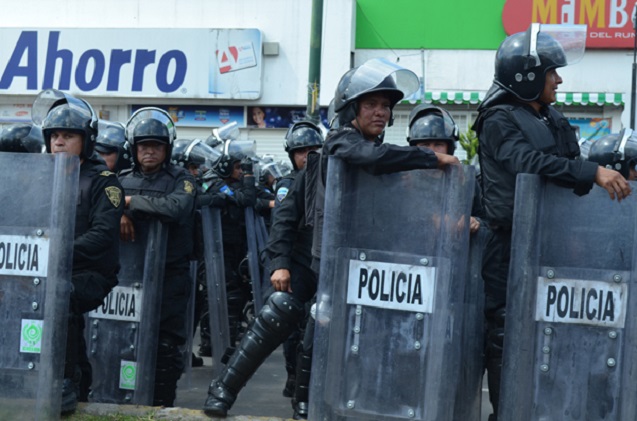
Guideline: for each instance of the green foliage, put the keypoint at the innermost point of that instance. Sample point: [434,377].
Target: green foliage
[469,142]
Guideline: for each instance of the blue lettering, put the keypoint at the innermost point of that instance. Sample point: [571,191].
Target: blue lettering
[98,71]
[52,54]
[27,43]
[142,59]
[181,65]
[118,59]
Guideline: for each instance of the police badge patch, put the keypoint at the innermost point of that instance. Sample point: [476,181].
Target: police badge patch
[114,194]
[281,193]
[188,187]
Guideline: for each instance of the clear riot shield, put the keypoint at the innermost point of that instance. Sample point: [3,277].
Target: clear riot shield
[389,316]
[36,247]
[122,333]
[216,285]
[185,381]
[571,333]
[256,274]
[469,400]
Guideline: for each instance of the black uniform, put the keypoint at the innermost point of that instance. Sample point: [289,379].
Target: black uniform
[238,196]
[168,195]
[348,144]
[515,139]
[95,258]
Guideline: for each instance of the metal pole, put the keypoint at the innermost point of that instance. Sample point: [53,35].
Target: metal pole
[633,91]
[314,77]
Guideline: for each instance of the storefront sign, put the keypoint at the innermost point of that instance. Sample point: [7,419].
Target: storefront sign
[609,21]
[183,63]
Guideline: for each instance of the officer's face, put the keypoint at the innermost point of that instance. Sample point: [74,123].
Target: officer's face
[439,146]
[300,156]
[151,155]
[69,142]
[237,172]
[110,159]
[374,111]
[549,94]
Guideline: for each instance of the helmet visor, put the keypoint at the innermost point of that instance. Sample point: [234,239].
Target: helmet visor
[52,98]
[570,38]
[199,152]
[228,131]
[151,113]
[372,73]
[241,148]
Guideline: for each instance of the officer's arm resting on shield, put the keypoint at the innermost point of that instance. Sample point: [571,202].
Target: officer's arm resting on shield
[173,207]
[105,214]
[246,195]
[384,158]
[517,155]
[285,221]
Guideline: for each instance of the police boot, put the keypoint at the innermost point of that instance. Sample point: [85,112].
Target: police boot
[277,319]
[170,365]
[72,372]
[302,390]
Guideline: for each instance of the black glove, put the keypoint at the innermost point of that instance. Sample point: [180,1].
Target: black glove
[246,166]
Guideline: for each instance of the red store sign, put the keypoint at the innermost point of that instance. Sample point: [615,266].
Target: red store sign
[609,21]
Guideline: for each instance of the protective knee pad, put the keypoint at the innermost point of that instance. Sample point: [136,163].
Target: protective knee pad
[278,317]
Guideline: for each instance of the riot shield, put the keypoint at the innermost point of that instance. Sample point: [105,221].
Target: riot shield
[387,343]
[469,401]
[185,381]
[36,247]
[122,334]
[570,334]
[216,283]
[253,232]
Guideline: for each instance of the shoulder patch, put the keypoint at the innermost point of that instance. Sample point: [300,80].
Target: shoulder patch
[114,194]
[106,173]
[281,193]
[188,187]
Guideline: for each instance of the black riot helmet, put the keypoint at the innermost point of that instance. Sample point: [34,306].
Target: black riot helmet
[54,110]
[233,151]
[151,124]
[428,122]
[188,152]
[374,76]
[302,134]
[111,138]
[523,59]
[616,151]
[22,137]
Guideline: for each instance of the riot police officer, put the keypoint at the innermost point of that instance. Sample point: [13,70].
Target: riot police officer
[22,137]
[364,99]
[70,125]
[433,127]
[112,146]
[616,151]
[157,189]
[289,245]
[520,132]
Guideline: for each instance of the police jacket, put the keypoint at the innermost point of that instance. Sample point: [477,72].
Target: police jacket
[515,139]
[99,210]
[290,238]
[348,144]
[238,195]
[168,195]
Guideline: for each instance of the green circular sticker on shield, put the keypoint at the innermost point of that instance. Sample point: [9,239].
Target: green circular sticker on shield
[128,373]
[32,333]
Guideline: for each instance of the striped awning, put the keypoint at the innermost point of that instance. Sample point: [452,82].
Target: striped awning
[475,97]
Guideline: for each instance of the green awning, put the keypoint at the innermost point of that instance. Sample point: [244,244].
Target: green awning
[475,97]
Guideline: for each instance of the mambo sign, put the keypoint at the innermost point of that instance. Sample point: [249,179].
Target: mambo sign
[123,303]
[609,21]
[129,62]
[594,303]
[24,255]
[391,285]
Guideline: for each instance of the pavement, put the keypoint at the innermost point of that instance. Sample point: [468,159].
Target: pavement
[261,399]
